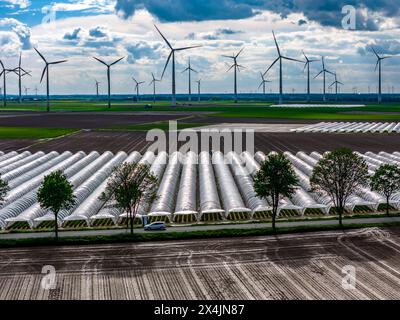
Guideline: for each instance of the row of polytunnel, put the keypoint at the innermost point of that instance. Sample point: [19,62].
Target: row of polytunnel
[351,127]
[189,185]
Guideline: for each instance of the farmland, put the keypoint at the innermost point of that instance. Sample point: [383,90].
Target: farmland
[298,266]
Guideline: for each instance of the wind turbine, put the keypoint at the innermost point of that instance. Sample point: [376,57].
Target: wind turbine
[97,88]
[137,84]
[189,69]
[379,63]
[172,54]
[26,90]
[324,71]
[336,83]
[236,67]
[280,58]
[21,73]
[307,65]
[199,89]
[263,82]
[108,76]
[153,82]
[46,71]
[3,73]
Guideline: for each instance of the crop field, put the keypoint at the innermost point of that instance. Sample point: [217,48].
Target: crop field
[209,188]
[289,267]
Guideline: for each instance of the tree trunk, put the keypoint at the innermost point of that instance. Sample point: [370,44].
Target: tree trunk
[131,220]
[275,203]
[341,216]
[387,206]
[56,224]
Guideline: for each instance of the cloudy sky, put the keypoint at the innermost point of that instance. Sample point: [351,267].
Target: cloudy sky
[109,29]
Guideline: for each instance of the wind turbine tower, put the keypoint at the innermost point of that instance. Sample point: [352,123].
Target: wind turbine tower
[108,76]
[280,58]
[46,71]
[189,69]
[324,71]
[172,54]
[236,67]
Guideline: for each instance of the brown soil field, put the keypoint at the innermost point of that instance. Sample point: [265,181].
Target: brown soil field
[136,141]
[283,267]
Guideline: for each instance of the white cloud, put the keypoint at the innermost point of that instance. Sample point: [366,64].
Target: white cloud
[22,4]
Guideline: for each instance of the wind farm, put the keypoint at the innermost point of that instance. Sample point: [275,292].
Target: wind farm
[217,133]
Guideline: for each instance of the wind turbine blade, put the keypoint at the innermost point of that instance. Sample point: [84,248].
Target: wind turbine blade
[185,70]
[241,50]
[287,58]
[40,55]
[318,74]
[260,85]
[2,65]
[340,83]
[58,62]
[377,63]
[231,57]
[304,55]
[332,84]
[101,61]
[305,65]
[276,43]
[230,68]
[323,63]
[332,73]
[195,71]
[44,71]
[165,39]
[1,73]
[373,49]
[115,62]
[262,76]
[387,57]
[166,64]
[20,59]
[186,48]
[271,65]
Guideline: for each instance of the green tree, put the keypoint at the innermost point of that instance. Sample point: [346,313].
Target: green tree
[386,180]
[131,185]
[339,173]
[275,179]
[3,190]
[56,194]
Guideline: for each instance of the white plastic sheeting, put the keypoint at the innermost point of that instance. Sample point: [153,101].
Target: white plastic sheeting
[209,199]
[230,195]
[13,165]
[76,175]
[186,202]
[245,184]
[164,205]
[158,165]
[15,159]
[92,204]
[24,196]
[284,203]
[349,127]
[86,188]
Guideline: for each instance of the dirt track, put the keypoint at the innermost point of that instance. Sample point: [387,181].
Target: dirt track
[298,266]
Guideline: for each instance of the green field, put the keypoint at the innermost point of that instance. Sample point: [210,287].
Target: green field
[386,111]
[33,133]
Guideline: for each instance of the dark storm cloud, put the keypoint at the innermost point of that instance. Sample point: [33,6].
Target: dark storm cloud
[327,12]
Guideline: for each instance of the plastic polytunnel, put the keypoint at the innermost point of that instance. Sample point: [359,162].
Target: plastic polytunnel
[186,202]
[16,158]
[157,168]
[29,170]
[230,195]
[92,204]
[284,203]
[29,213]
[24,196]
[245,184]
[83,191]
[209,199]
[164,203]
[11,166]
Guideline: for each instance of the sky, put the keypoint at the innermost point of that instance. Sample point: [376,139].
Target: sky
[77,30]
